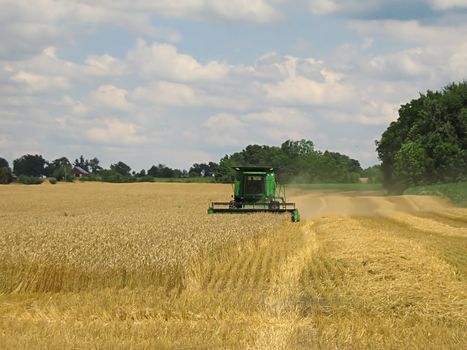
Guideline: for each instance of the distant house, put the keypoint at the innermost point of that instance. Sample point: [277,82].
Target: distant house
[364,180]
[80,172]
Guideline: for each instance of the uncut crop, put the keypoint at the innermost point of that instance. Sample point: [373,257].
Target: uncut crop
[90,236]
[143,266]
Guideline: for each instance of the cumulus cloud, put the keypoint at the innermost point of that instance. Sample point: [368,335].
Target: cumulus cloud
[268,126]
[300,90]
[111,97]
[40,82]
[157,92]
[173,94]
[448,4]
[27,29]
[164,60]
[116,132]
[104,65]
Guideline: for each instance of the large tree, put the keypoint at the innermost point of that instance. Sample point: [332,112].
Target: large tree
[94,166]
[30,165]
[428,142]
[296,161]
[4,163]
[61,169]
[121,168]
[5,171]
[203,169]
[82,163]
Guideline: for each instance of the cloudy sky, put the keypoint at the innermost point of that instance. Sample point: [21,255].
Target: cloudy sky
[177,82]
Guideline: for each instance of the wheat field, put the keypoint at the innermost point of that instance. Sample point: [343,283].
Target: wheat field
[136,266]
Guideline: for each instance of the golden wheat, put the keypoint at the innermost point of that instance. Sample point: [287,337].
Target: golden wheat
[143,266]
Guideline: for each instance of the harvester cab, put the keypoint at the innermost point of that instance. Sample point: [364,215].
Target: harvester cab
[256,190]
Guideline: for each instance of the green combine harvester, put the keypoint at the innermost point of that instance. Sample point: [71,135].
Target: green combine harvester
[256,190]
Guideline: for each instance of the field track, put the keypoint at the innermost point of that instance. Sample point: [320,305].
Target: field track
[361,271]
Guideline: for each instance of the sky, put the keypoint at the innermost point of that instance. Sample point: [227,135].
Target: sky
[189,81]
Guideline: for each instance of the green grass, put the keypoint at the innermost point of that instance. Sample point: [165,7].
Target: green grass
[455,192]
[338,187]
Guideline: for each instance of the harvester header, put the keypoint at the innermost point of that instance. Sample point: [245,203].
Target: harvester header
[256,190]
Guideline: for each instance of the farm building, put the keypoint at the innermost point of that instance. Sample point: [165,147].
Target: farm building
[80,172]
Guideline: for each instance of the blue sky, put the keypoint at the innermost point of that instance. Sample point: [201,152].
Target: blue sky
[160,81]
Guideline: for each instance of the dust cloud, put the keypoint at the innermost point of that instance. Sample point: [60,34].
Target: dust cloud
[370,203]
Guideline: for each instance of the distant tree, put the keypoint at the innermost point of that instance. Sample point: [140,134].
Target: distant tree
[142,173]
[153,171]
[60,169]
[121,168]
[167,172]
[295,161]
[373,173]
[179,173]
[5,173]
[82,163]
[295,149]
[4,163]
[94,166]
[161,171]
[203,169]
[30,165]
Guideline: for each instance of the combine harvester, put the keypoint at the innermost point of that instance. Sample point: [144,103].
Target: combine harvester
[256,190]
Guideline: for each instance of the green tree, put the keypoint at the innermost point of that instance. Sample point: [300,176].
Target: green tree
[30,165]
[295,149]
[5,175]
[121,168]
[5,171]
[295,161]
[61,169]
[4,163]
[82,163]
[411,163]
[94,166]
[437,123]
[373,173]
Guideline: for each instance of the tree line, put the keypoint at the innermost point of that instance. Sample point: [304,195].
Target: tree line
[30,169]
[428,142]
[296,161]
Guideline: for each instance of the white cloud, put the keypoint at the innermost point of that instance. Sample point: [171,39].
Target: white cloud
[300,90]
[40,82]
[111,97]
[170,94]
[259,11]
[163,60]
[225,129]
[27,29]
[116,132]
[326,7]
[77,108]
[104,65]
[157,91]
[413,32]
[269,126]
[166,93]
[448,4]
